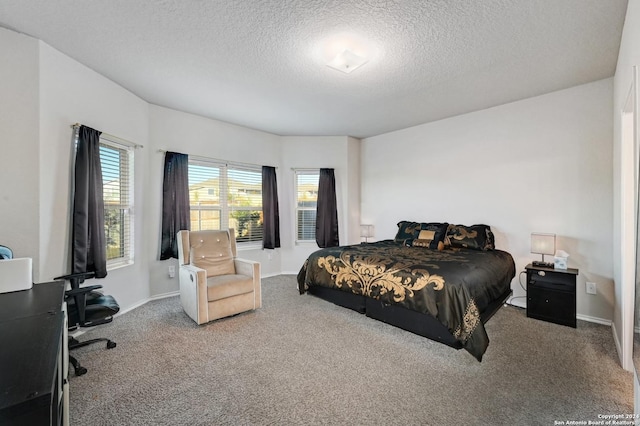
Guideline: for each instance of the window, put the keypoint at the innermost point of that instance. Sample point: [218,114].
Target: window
[306,203]
[117,186]
[225,196]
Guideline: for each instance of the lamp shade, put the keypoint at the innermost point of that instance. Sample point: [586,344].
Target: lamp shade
[543,243]
[366,231]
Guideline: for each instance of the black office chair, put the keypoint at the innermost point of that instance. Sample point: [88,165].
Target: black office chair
[87,307]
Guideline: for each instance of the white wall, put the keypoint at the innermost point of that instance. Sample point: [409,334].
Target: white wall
[314,152]
[43,93]
[70,93]
[538,165]
[171,130]
[19,169]
[352,198]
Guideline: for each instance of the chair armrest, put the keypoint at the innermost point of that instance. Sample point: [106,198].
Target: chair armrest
[77,278]
[193,292]
[81,290]
[77,275]
[246,267]
[192,268]
[251,269]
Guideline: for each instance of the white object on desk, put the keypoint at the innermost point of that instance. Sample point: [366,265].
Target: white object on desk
[560,259]
[15,274]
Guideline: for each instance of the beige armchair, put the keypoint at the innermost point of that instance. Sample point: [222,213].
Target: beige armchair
[213,282]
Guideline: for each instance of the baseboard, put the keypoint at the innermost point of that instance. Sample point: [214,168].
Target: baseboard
[595,320]
[169,294]
[275,274]
[164,295]
[516,303]
[142,302]
[288,273]
[519,302]
[636,394]
[77,332]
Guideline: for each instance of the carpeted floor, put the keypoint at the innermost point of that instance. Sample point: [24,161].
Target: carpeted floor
[301,360]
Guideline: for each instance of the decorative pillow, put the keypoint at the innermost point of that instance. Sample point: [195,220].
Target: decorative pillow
[477,237]
[439,232]
[408,232]
[426,239]
[491,240]
[421,243]
[425,234]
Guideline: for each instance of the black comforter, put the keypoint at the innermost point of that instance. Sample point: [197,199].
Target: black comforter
[453,285]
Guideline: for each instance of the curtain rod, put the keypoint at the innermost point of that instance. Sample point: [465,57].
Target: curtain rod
[216,160]
[115,138]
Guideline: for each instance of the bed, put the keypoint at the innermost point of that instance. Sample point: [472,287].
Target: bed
[437,280]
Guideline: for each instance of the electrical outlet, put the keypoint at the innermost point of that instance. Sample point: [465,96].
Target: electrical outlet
[591,288]
[172,271]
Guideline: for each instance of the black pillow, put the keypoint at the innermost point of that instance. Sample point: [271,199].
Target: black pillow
[408,232]
[439,232]
[477,237]
[491,240]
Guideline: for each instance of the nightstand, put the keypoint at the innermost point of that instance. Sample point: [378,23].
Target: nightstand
[551,294]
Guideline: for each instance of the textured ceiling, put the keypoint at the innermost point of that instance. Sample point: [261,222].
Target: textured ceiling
[261,63]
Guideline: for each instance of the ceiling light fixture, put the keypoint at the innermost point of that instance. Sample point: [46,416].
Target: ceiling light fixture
[347,61]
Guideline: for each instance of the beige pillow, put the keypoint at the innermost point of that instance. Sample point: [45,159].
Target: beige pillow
[425,238]
[426,235]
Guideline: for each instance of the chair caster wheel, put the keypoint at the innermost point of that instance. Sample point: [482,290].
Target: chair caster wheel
[110,344]
[80,371]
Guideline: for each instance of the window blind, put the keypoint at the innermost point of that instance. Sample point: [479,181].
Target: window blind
[205,196]
[117,185]
[245,203]
[306,204]
[225,196]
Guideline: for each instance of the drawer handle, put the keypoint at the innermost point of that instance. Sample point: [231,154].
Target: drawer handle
[541,273]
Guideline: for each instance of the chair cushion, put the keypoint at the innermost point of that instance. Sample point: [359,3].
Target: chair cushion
[98,307]
[223,286]
[212,252]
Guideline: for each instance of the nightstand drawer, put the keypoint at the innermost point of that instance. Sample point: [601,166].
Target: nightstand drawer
[536,283]
[553,281]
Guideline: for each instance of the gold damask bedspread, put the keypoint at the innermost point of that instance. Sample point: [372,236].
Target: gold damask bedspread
[453,285]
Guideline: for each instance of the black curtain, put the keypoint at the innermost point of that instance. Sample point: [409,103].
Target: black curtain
[270,210]
[327,211]
[89,248]
[175,202]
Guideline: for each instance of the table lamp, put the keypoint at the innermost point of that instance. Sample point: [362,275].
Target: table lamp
[543,244]
[366,232]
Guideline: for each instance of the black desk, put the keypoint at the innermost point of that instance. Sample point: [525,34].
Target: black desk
[31,351]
